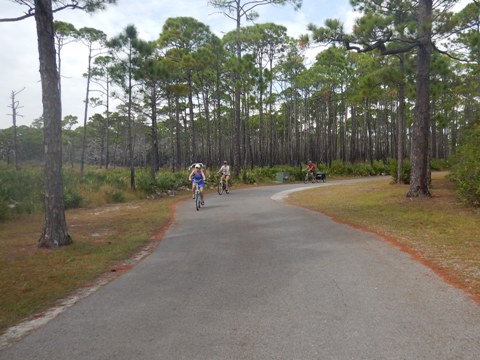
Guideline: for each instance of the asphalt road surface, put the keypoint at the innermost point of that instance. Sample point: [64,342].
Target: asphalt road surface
[250,277]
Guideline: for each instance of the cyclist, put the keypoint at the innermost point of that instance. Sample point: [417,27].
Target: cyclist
[311,170]
[197,176]
[225,171]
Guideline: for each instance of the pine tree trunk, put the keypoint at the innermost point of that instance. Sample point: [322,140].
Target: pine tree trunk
[237,119]
[401,122]
[85,113]
[55,233]
[419,175]
[155,153]
[353,139]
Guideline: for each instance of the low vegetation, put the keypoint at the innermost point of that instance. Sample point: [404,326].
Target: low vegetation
[466,169]
[21,191]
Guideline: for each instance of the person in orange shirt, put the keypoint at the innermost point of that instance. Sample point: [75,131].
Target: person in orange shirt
[311,170]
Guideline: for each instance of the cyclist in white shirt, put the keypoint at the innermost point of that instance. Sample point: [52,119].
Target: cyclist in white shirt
[225,171]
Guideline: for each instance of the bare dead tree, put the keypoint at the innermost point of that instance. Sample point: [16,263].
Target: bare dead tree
[15,106]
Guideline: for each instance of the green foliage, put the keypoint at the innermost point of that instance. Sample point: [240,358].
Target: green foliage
[93,180]
[116,196]
[164,181]
[118,178]
[269,174]
[392,170]
[379,168]
[21,190]
[144,181]
[259,174]
[180,179]
[340,168]
[465,170]
[439,164]
[362,169]
[3,209]
[167,181]
[72,199]
[95,186]
[297,173]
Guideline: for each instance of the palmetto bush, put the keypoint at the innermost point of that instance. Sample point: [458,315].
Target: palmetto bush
[392,170]
[21,191]
[465,170]
[164,181]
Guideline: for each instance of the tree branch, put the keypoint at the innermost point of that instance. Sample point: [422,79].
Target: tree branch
[29,13]
[72,4]
[380,45]
[444,52]
[18,18]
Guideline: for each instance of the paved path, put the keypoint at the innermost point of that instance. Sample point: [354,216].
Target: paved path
[250,277]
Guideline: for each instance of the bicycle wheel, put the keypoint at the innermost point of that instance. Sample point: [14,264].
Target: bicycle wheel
[197,200]
[197,197]
[306,179]
[220,187]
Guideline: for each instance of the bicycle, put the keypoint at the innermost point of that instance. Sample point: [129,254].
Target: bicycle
[309,176]
[198,198]
[222,186]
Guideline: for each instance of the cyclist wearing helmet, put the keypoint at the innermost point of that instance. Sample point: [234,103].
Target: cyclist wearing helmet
[197,176]
[225,171]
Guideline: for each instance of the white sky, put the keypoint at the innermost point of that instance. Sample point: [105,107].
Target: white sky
[19,62]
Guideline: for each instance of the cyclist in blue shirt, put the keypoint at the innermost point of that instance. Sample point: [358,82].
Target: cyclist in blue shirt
[197,176]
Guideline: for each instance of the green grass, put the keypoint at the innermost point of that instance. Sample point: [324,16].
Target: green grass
[438,231]
[33,279]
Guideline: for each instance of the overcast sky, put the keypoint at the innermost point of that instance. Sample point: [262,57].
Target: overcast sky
[19,60]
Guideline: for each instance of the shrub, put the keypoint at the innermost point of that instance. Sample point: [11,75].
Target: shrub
[379,168]
[339,168]
[465,170]
[116,196]
[144,181]
[360,169]
[181,179]
[3,209]
[439,164]
[118,178]
[295,173]
[21,190]
[269,174]
[166,181]
[262,174]
[92,180]
[392,170]
[248,177]
[72,199]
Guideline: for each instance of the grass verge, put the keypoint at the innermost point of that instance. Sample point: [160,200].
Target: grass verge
[440,232]
[34,279]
